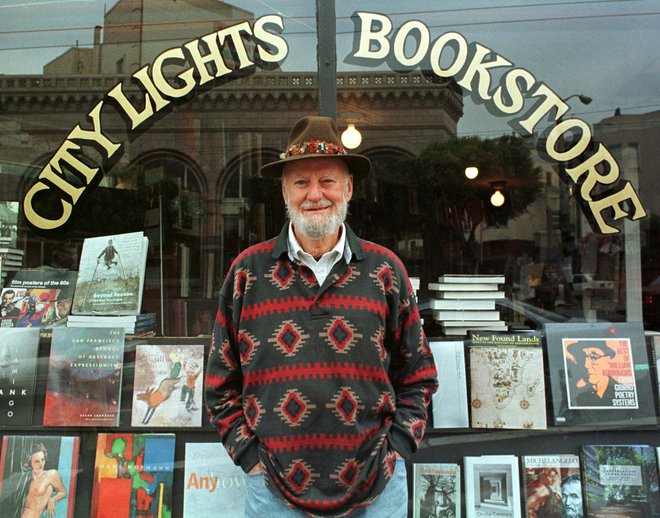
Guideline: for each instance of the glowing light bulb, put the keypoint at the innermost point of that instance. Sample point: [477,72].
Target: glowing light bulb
[497,199]
[351,137]
[471,172]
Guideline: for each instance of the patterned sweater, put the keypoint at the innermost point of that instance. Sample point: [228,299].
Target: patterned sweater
[321,384]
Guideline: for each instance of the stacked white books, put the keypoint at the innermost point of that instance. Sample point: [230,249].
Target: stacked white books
[142,324]
[11,260]
[465,303]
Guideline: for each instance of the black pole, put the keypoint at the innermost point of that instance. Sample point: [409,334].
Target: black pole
[326,27]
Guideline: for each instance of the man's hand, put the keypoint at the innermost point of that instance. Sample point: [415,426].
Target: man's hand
[257,468]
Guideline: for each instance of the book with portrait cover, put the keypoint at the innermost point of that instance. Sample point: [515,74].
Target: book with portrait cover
[436,490]
[19,348]
[552,486]
[492,486]
[38,298]
[507,387]
[83,386]
[38,476]
[167,387]
[212,481]
[450,402]
[599,372]
[111,275]
[620,480]
[133,475]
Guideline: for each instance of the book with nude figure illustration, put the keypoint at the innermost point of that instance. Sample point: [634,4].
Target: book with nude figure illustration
[83,386]
[38,475]
[133,475]
[167,387]
[212,481]
[436,490]
[599,372]
[19,349]
[552,485]
[111,275]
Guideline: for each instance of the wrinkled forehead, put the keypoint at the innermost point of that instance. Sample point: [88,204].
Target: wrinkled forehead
[320,166]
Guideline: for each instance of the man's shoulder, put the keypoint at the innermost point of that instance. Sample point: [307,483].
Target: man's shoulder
[376,251]
[260,249]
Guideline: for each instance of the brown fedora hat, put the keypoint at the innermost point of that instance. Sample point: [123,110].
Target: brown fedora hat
[316,137]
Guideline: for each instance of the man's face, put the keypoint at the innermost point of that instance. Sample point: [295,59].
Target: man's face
[571,495]
[595,361]
[7,298]
[63,306]
[316,192]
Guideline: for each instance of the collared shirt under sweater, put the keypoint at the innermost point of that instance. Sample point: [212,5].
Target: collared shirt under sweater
[323,385]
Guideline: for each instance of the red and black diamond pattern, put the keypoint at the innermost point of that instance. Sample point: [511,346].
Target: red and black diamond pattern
[243,280]
[294,408]
[341,335]
[348,276]
[288,338]
[378,338]
[247,345]
[281,275]
[385,278]
[347,473]
[299,476]
[346,405]
[253,411]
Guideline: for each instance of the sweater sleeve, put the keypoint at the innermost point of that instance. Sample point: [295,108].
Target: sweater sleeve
[412,373]
[224,384]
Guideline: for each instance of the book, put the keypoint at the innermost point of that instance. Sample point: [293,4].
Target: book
[487,287]
[111,275]
[599,372]
[83,385]
[436,490]
[456,304]
[620,480]
[449,404]
[37,282]
[466,315]
[471,279]
[167,387]
[35,469]
[133,475]
[450,330]
[131,323]
[492,486]
[9,223]
[552,486]
[212,481]
[489,295]
[23,307]
[19,348]
[507,388]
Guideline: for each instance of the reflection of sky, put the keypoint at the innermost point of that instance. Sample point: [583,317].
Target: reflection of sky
[606,49]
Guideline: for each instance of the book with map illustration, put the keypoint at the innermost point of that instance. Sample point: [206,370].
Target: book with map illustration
[507,388]
[449,404]
[19,348]
[492,486]
[83,387]
[436,490]
[620,480]
[552,485]
[599,372]
[133,475]
[36,469]
[111,275]
[212,481]
[167,387]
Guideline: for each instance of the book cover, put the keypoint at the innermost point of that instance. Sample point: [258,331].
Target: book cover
[599,372]
[552,486]
[486,287]
[23,307]
[466,314]
[212,481]
[436,491]
[167,387]
[490,295]
[449,404]
[455,304]
[620,480]
[111,275]
[58,303]
[19,348]
[507,388]
[38,476]
[474,279]
[83,386]
[133,475]
[492,486]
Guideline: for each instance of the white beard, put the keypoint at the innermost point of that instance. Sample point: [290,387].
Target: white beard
[316,226]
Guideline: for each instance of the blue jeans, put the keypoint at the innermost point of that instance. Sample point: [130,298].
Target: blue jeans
[392,503]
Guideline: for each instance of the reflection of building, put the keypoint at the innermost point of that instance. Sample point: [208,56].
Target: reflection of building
[193,173]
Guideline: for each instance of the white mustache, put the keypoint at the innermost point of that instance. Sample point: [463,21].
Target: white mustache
[323,204]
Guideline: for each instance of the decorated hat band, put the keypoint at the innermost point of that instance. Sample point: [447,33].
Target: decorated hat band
[314,147]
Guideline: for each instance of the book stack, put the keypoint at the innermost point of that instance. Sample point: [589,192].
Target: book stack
[467,302]
[11,260]
[140,325]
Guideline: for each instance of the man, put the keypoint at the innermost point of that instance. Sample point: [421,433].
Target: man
[595,386]
[319,373]
[543,499]
[571,496]
[108,253]
[8,310]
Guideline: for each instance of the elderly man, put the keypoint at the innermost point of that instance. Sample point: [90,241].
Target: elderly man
[319,374]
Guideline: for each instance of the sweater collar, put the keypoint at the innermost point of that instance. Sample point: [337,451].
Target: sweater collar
[282,243]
